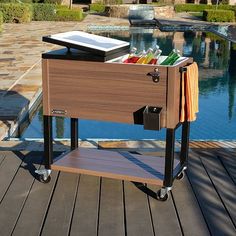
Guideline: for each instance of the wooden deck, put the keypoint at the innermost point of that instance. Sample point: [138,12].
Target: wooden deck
[203,203]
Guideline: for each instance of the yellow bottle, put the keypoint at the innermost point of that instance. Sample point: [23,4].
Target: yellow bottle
[142,57]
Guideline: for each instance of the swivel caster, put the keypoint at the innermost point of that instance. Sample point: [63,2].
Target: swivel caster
[44,179]
[181,175]
[163,194]
[44,175]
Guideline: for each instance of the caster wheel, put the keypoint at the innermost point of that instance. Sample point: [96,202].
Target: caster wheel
[162,198]
[180,176]
[44,180]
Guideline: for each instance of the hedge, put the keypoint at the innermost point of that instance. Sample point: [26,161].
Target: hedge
[69,15]
[112,2]
[1,21]
[16,12]
[191,7]
[19,1]
[218,15]
[97,7]
[9,1]
[53,1]
[200,7]
[44,12]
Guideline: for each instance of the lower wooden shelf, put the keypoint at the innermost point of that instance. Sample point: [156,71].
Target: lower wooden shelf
[112,164]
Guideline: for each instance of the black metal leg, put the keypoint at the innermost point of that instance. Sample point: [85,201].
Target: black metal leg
[184,143]
[48,139]
[74,133]
[169,158]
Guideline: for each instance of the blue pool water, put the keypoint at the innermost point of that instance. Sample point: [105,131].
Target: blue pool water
[217,64]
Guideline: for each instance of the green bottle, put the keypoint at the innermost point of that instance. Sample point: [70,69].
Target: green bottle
[169,58]
[174,59]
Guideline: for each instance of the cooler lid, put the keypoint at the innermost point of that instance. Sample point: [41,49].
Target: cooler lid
[95,44]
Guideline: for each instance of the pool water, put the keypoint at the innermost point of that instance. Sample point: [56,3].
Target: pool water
[217,68]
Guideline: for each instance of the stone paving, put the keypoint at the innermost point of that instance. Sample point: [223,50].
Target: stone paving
[21,47]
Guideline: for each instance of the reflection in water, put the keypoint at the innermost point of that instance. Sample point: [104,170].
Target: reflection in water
[216,59]
[59,127]
[232,81]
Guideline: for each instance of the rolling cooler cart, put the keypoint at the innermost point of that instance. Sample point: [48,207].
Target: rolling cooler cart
[86,79]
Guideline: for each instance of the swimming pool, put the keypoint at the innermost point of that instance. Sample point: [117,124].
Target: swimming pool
[217,64]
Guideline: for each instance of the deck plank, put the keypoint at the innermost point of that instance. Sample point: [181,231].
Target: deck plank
[8,169]
[229,161]
[221,180]
[85,218]
[2,157]
[60,211]
[111,215]
[35,208]
[190,215]
[138,218]
[163,212]
[110,164]
[213,210]
[17,193]
[197,201]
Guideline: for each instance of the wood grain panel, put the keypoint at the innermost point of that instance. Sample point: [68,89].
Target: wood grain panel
[103,91]
[111,164]
[45,85]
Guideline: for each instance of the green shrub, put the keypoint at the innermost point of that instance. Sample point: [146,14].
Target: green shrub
[53,1]
[218,15]
[97,7]
[69,15]
[25,1]
[61,7]
[191,7]
[225,2]
[233,46]
[112,2]
[1,21]
[201,7]
[9,1]
[44,12]
[19,1]
[16,12]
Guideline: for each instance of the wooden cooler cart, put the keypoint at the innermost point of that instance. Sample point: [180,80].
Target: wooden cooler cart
[90,82]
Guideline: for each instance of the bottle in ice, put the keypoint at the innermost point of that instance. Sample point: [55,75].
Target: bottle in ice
[142,57]
[174,59]
[156,56]
[171,58]
[133,57]
[149,56]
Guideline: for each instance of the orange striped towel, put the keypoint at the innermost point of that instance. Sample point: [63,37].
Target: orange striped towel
[189,99]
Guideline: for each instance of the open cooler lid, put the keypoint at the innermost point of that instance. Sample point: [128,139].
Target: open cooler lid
[95,44]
